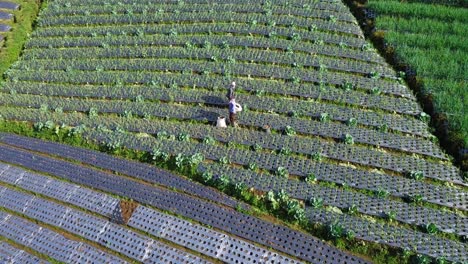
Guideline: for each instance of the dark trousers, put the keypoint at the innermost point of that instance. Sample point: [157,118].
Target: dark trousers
[232,118]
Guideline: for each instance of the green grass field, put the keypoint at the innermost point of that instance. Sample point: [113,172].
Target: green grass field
[432,40]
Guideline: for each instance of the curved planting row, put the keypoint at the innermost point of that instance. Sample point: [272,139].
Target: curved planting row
[287,74]
[303,246]
[11,254]
[306,91]
[343,199]
[313,109]
[252,119]
[110,235]
[227,54]
[134,169]
[102,123]
[196,36]
[304,4]
[301,145]
[363,229]
[411,241]
[158,7]
[145,219]
[310,37]
[221,16]
[51,243]
[345,176]
[318,196]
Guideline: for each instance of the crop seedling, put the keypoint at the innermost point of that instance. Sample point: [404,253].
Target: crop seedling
[49,124]
[272,34]
[180,160]
[316,203]
[127,114]
[350,235]
[422,259]
[293,114]
[353,209]
[259,93]
[347,86]
[296,80]
[431,228]
[424,117]
[240,188]
[252,166]
[374,75]
[282,172]
[311,178]
[231,144]
[441,260]
[225,45]
[383,128]
[209,140]
[195,159]
[416,199]
[206,177]
[113,144]
[93,112]
[38,126]
[335,230]
[352,122]
[316,156]
[285,151]
[44,108]
[375,91]
[162,135]
[183,137]
[390,216]
[416,175]
[406,252]
[324,117]
[382,193]
[294,210]
[224,160]
[257,147]
[139,98]
[223,182]
[289,131]
[348,139]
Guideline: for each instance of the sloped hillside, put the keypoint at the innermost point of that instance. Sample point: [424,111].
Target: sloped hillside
[329,133]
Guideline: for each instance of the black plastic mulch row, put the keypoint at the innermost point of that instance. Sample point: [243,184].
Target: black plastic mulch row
[9,5]
[4,28]
[244,69]
[5,15]
[253,119]
[283,239]
[396,186]
[407,213]
[119,165]
[83,38]
[217,98]
[418,242]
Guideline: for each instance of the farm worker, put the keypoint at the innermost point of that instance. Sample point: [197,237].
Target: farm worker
[233,109]
[231,90]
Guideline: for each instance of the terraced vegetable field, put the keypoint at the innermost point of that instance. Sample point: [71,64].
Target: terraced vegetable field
[330,138]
